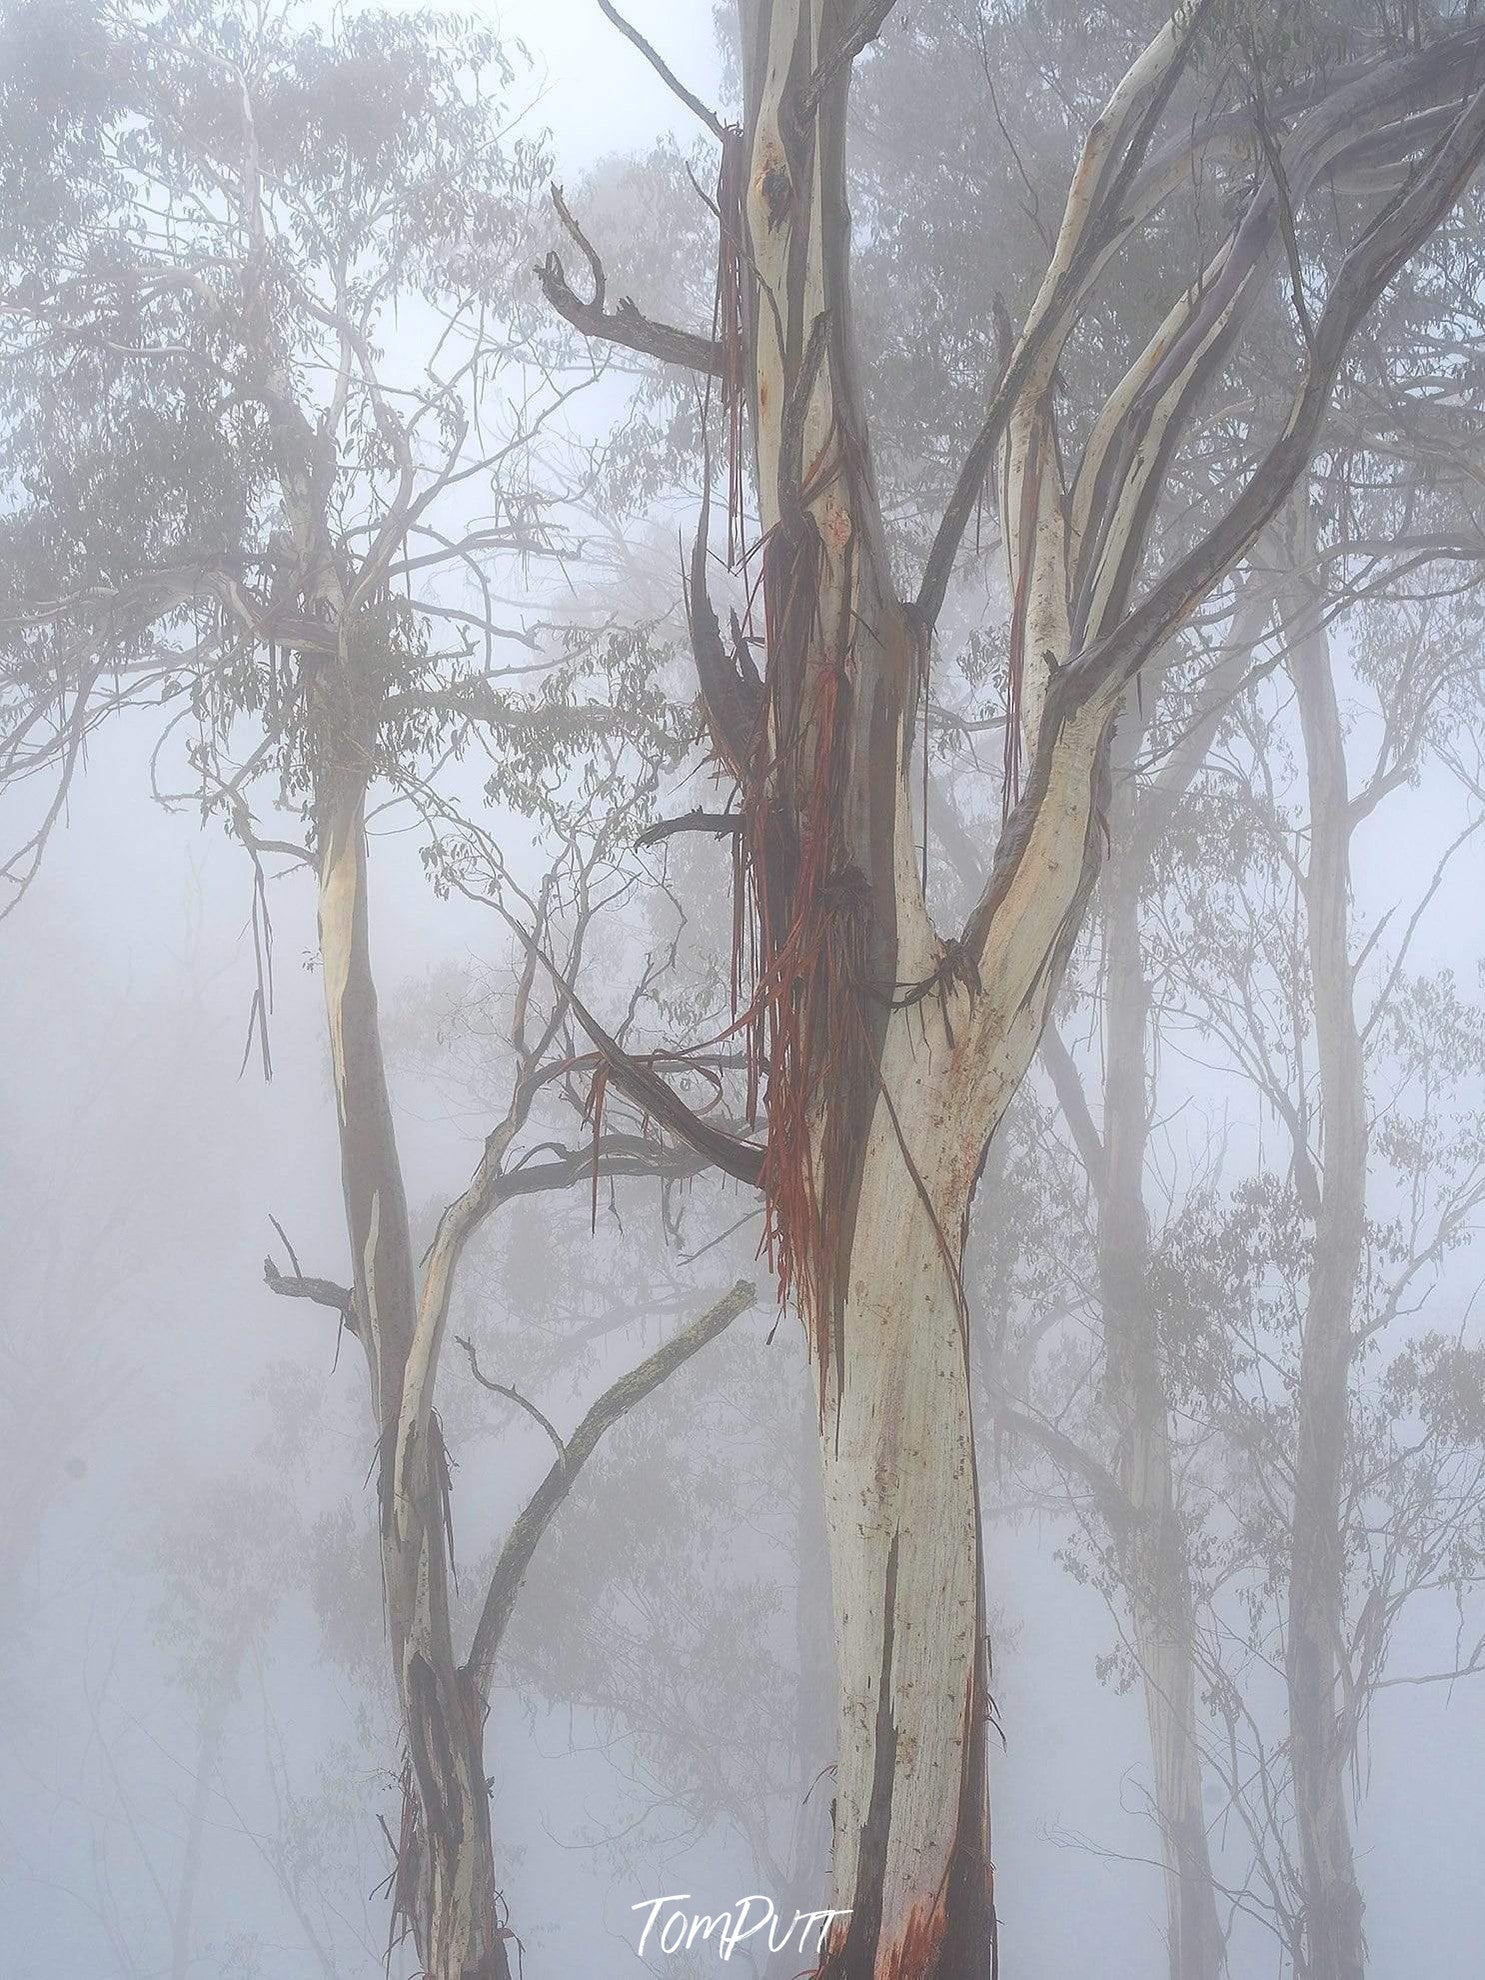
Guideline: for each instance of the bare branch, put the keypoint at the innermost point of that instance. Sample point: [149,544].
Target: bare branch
[1073,1100]
[857,37]
[1393,235]
[742,1159]
[1109,662]
[721,825]
[625,325]
[525,1536]
[296,1284]
[1094,222]
[662,69]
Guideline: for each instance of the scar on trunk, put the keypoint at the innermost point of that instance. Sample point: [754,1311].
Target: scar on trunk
[856,1957]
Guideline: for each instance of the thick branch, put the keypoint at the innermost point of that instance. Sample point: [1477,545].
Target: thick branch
[1073,1100]
[647,1089]
[1095,219]
[721,825]
[731,691]
[624,325]
[324,1292]
[1095,675]
[303,1285]
[615,1155]
[856,38]
[1396,233]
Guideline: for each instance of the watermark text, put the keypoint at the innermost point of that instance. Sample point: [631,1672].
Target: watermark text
[725,1931]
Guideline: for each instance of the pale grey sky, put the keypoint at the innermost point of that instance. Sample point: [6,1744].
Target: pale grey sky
[599,94]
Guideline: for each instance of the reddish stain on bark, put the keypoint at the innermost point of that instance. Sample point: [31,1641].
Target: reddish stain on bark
[914,1955]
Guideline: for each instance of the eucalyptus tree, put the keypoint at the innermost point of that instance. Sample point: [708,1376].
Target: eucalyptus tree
[279,443]
[1401,521]
[890,1053]
[1137,1487]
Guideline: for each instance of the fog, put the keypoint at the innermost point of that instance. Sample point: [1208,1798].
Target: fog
[931,1377]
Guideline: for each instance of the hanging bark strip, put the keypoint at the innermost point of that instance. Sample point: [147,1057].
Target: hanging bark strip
[811,908]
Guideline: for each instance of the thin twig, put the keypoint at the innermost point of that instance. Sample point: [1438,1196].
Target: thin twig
[512,1395]
[663,70]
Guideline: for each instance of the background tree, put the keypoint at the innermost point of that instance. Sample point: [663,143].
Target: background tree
[259,513]
[1230,966]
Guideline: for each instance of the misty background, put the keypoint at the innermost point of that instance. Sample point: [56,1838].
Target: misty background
[200,1744]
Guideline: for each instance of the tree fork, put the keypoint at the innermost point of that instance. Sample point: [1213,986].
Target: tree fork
[444,1882]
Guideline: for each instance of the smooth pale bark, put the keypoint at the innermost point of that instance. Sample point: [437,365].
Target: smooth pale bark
[814,1665]
[1321,1725]
[911,1807]
[445,1885]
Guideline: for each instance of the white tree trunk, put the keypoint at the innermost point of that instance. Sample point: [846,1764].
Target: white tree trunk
[1194,1945]
[1322,1727]
[911,1817]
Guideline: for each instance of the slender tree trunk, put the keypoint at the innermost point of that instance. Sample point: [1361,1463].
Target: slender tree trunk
[1194,1940]
[1322,1731]
[445,1881]
[444,1884]
[1156,1569]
